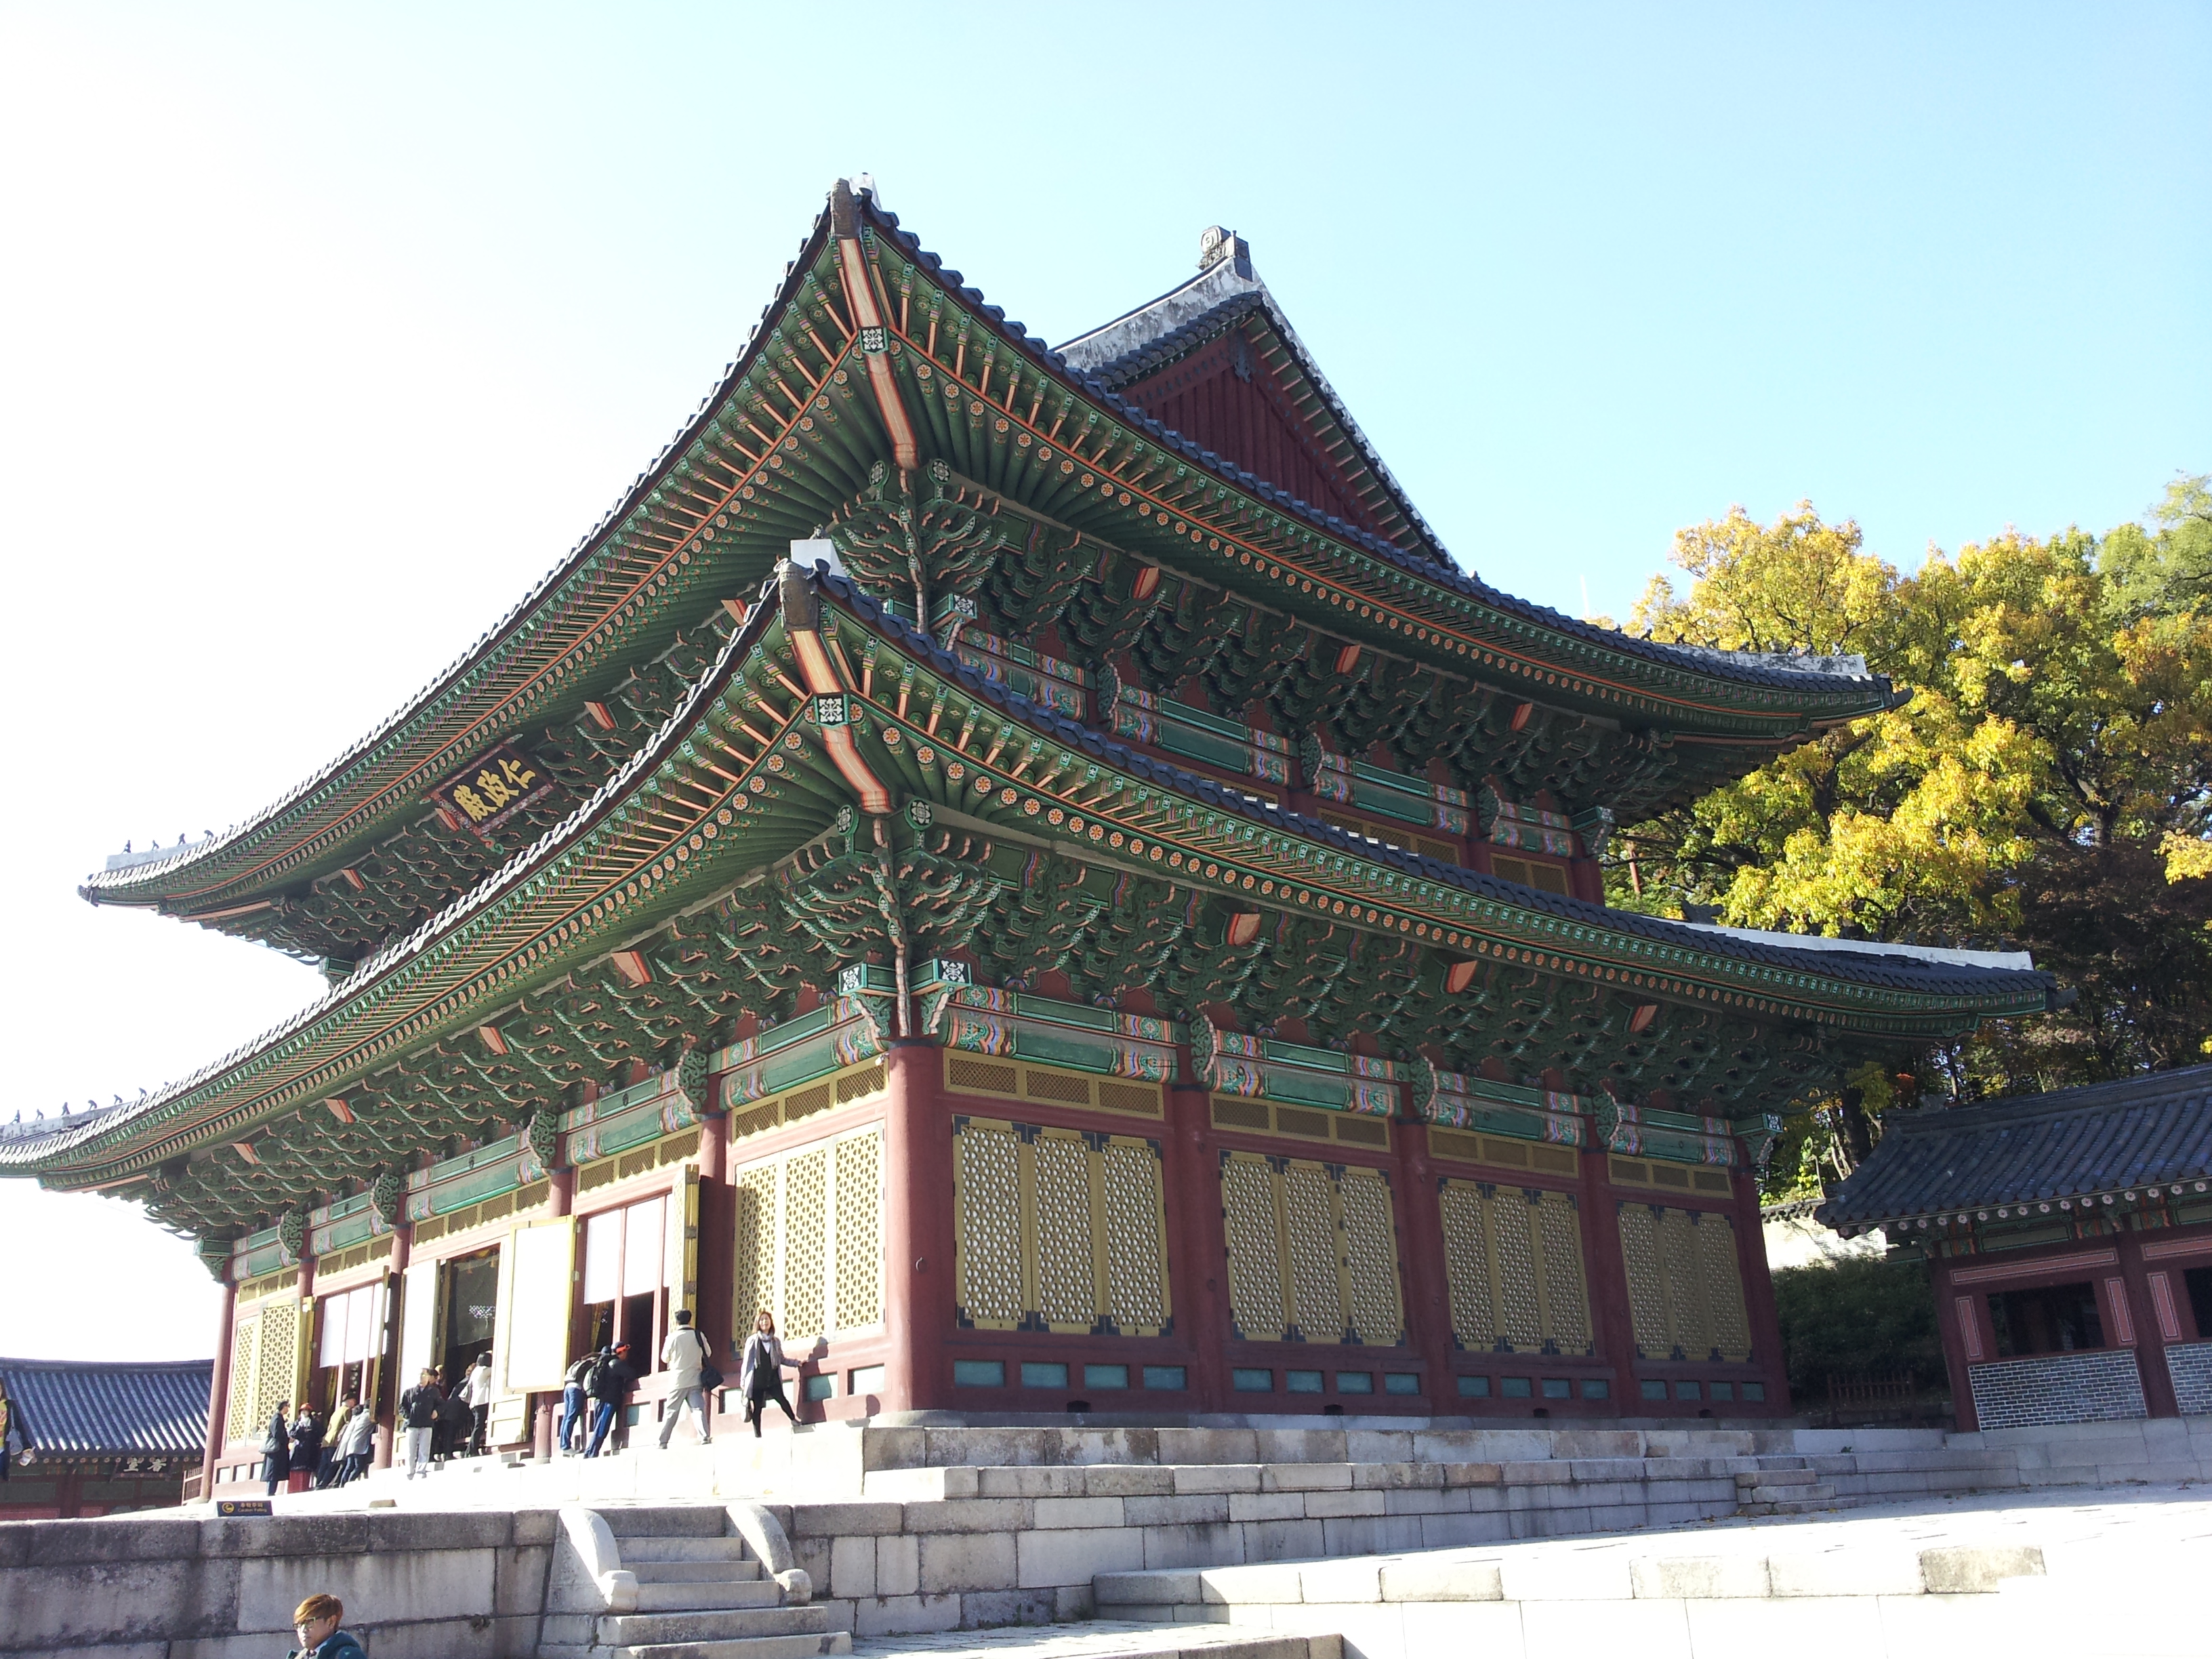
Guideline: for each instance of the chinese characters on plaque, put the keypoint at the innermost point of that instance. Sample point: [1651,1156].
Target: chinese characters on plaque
[492,787]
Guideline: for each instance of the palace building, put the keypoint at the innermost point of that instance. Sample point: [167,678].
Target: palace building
[1036,867]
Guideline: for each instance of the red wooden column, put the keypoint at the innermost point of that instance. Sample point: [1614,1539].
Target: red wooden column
[919,1289]
[1421,1264]
[219,1389]
[1758,1292]
[560,1199]
[1962,1322]
[387,1431]
[2142,1329]
[1197,1247]
[717,1249]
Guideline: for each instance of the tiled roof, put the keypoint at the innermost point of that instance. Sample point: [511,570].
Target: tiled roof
[88,1408]
[1420,564]
[2141,1132]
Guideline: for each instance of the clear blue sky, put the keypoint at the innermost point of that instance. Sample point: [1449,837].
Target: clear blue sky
[323,333]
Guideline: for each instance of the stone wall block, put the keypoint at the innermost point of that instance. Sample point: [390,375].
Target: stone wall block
[844,1520]
[852,1567]
[988,1610]
[1329,1506]
[1075,1557]
[1198,1509]
[404,1585]
[1305,1477]
[969,1515]
[1216,1544]
[898,1565]
[85,1543]
[1282,1541]
[1216,1477]
[1051,1513]
[961,1561]
[44,1609]
[1181,1446]
[904,1615]
[1267,1505]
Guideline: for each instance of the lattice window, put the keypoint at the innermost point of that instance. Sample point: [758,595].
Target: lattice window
[277,1356]
[988,1170]
[1514,1219]
[860,1298]
[1065,1293]
[1058,1230]
[1255,1274]
[1370,1256]
[1685,1292]
[1513,1258]
[1317,1252]
[1691,1329]
[1136,1267]
[1566,1293]
[1722,1282]
[244,1398]
[1467,1266]
[754,1275]
[805,1240]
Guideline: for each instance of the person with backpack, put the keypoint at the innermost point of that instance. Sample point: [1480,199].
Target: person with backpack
[420,1408]
[689,1362]
[760,1374]
[612,1379]
[326,1471]
[277,1449]
[453,1419]
[574,1410]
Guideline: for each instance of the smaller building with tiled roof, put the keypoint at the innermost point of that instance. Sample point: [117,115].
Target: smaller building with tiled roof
[89,1437]
[2068,1238]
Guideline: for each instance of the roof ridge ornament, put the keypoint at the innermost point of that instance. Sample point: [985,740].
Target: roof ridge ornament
[1217,243]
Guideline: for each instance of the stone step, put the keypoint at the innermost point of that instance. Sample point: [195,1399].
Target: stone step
[716,1595]
[1803,1492]
[662,1548]
[1107,1639]
[650,1571]
[669,1520]
[1785,1476]
[618,1630]
[741,1647]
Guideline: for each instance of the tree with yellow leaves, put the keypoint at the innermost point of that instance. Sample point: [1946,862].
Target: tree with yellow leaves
[2049,782]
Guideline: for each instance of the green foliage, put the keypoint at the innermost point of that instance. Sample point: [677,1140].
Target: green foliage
[2048,784]
[1852,1316]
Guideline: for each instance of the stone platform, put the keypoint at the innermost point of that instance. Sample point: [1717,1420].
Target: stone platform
[2111,1575]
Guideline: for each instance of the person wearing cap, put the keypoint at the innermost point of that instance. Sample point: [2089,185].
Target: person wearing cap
[610,1385]
[315,1622]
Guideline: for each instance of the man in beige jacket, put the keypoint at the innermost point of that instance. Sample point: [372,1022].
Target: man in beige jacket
[683,1356]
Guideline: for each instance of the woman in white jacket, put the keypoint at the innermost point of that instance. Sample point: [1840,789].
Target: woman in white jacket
[760,1373]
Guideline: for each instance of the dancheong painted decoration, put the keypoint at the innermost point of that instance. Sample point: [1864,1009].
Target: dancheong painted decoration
[1036,867]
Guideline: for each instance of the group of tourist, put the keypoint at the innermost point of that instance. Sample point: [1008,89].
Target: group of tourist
[437,1423]
[328,1454]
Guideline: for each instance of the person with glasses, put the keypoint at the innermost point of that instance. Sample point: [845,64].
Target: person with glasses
[315,1622]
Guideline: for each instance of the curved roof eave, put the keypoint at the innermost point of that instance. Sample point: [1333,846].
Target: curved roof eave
[2004,987]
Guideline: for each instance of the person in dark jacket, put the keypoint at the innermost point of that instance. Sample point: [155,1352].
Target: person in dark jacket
[315,1622]
[453,1427]
[277,1449]
[307,1442]
[612,1381]
[419,1409]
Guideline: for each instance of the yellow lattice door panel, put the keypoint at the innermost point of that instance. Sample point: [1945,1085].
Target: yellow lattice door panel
[753,1285]
[1566,1292]
[275,1359]
[244,1401]
[1513,1258]
[1686,1291]
[1689,1326]
[1317,1314]
[1467,1266]
[805,1236]
[1513,1228]
[987,1211]
[859,1289]
[1723,1284]
[1066,1293]
[1135,1256]
[1646,1289]
[1059,1230]
[1370,1257]
[1249,1209]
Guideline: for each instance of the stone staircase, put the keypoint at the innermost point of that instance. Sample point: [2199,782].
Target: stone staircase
[1787,1485]
[683,1583]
